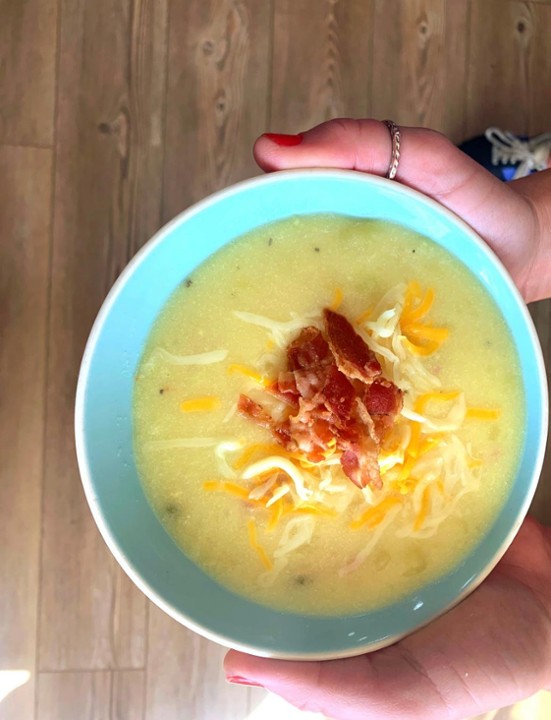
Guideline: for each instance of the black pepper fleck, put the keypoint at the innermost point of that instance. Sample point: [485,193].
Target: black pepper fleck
[161,391]
[172,509]
[189,282]
[316,249]
[270,241]
[303,580]
[413,250]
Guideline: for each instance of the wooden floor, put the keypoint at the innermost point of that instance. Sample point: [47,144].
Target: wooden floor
[114,116]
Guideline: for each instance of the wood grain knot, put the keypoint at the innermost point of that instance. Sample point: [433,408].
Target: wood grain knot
[208,47]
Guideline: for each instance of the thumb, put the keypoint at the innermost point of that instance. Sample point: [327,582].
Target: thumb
[489,651]
[360,688]
[462,664]
[429,163]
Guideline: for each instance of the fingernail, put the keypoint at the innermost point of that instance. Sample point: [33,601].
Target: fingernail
[237,680]
[284,140]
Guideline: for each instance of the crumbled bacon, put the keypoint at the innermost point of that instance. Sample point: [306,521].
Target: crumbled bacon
[285,388]
[360,462]
[337,397]
[308,350]
[353,356]
[255,412]
[384,401]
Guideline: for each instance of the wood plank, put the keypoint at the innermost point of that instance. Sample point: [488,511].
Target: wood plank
[27,71]
[321,62]
[541,505]
[510,67]
[68,696]
[508,87]
[419,62]
[217,96]
[539,81]
[25,199]
[216,107]
[127,702]
[191,686]
[107,202]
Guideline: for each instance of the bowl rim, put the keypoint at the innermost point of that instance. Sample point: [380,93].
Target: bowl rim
[85,469]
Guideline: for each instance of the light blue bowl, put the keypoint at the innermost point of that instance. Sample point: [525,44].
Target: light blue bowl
[104,414]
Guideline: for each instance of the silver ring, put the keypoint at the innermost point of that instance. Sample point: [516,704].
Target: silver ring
[394,131]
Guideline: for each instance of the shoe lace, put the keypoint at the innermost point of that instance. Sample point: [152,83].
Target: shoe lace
[532,154]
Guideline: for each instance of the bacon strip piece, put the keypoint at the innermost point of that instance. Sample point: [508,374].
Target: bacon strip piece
[308,350]
[254,411]
[353,356]
[285,388]
[336,399]
[338,395]
[310,382]
[360,463]
[383,401]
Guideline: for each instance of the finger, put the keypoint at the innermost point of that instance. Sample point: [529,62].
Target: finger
[428,163]
[489,651]
[353,688]
[528,558]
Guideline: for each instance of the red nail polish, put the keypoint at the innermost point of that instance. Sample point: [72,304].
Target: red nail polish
[237,680]
[284,140]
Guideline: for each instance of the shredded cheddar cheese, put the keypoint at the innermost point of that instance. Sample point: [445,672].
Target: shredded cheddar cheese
[227,487]
[375,515]
[474,413]
[424,465]
[423,512]
[444,397]
[363,316]
[337,299]
[200,404]
[253,542]
[248,372]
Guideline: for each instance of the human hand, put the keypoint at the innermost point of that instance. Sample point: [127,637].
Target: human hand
[513,218]
[491,650]
[495,647]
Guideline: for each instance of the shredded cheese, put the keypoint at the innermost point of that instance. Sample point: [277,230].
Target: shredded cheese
[363,316]
[248,372]
[282,490]
[227,487]
[474,413]
[200,404]
[182,443]
[337,299]
[253,542]
[249,452]
[275,462]
[221,451]
[426,468]
[206,358]
[375,515]
[423,512]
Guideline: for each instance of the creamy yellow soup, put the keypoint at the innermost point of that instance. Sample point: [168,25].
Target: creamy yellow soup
[182,412]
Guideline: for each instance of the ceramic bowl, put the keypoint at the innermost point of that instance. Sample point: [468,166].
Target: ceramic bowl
[104,415]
